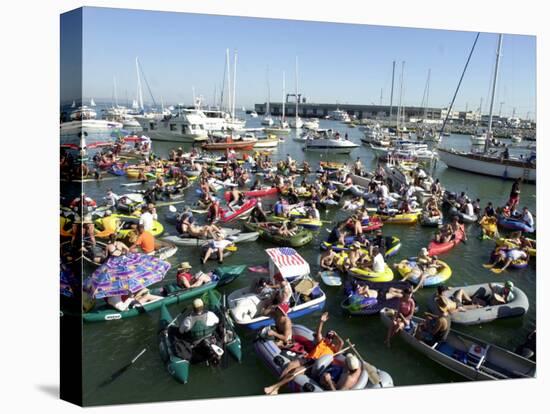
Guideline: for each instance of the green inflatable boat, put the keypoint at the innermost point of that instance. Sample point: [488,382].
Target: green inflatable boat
[266,230]
[200,345]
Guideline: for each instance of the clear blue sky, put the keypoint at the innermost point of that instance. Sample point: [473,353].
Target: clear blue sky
[337,62]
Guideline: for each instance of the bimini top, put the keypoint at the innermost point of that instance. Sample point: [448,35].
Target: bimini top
[287,261]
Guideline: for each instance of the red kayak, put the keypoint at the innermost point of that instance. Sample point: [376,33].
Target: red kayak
[435,248]
[255,193]
[374,223]
[228,215]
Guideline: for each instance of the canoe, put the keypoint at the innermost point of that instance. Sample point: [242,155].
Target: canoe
[276,360]
[516,307]
[228,215]
[224,335]
[185,240]
[509,223]
[374,223]
[172,294]
[301,238]
[364,274]
[235,145]
[510,243]
[393,243]
[407,218]
[431,280]
[470,357]
[358,305]
[254,193]
[435,248]
[244,305]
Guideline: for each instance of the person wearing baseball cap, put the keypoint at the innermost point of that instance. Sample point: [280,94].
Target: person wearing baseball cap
[342,377]
[199,323]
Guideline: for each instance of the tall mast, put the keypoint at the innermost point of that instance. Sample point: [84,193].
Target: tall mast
[139,94]
[296,85]
[228,65]
[400,109]
[495,77]
[115,92]
[391,94]
[284,98]
[234,83]
[267,108]
[426,97]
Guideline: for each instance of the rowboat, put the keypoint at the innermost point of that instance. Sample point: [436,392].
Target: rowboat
[470,357]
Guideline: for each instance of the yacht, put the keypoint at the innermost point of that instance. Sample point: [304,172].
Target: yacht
[83,120]
[186,125]
[339,115]
[326,140]
[254,114]
[312,123]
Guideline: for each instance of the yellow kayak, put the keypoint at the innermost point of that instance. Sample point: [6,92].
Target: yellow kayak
[532,251]
[65,227]
[406,218]
[365,274]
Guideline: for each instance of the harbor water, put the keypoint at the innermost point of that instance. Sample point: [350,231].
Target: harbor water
[110,345]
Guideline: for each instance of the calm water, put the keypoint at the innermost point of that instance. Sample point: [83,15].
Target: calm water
[110,345]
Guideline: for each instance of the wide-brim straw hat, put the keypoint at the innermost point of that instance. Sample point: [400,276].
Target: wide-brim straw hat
[185,265]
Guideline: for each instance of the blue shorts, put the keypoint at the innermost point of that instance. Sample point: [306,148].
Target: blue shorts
[335,372]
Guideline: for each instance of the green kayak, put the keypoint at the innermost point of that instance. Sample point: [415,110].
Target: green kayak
[171,293]
[198,350]
[301,238]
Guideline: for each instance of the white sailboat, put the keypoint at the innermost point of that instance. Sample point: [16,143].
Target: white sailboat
[268,120]
[282,128]
[492,164]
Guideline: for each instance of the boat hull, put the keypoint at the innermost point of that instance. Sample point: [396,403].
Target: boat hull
[492,168]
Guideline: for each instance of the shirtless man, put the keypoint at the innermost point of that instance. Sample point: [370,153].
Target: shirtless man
[329,259]
[348,378]
[283,326]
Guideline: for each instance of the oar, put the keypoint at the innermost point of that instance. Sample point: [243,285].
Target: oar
[170,203]
[497,271]
[122,370]
[371,370]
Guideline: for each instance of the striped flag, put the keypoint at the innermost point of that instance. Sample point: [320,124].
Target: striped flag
[285,256]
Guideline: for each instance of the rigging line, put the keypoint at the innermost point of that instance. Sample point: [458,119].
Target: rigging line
[458,86]
[147,84]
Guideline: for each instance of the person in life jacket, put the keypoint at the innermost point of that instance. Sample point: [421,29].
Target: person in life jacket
[200,323]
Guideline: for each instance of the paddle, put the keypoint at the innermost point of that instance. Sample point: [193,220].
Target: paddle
[119,372]
[497,271]
[371,370]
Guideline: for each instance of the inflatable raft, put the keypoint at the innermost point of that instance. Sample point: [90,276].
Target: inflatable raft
[432,279]
[359,305]
[276,360]
[301,238]
[518,306]
[509,223]
[365,274]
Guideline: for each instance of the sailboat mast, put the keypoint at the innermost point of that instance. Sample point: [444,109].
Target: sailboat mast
[296,85]
[139,94]
[268,109]
[495,77]
[284,98]
[115,92]
[427,94]
[234,83]
[228,65]
[391,94]
[400,109]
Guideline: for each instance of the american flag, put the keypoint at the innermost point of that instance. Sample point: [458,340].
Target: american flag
[285,256]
